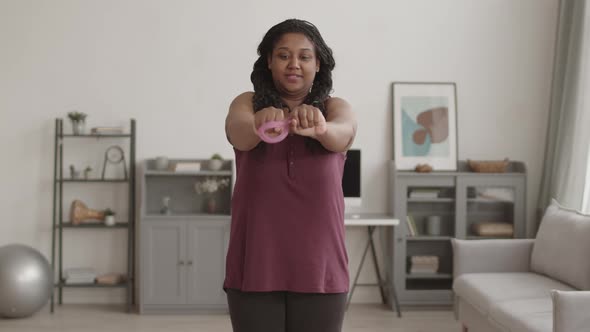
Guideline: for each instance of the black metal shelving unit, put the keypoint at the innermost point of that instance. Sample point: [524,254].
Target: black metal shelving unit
[59,224]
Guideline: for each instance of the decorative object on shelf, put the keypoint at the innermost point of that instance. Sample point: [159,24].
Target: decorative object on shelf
[78,120]
[210,185]
[109,217]
[433,224]
[187,166]
[114,155]
[161,163]
[106,131]
[87,171]
[424,264]
[488,166]
[79,275]
[495,229]
[165,205]
[74,173]
[216,162]
[423,168]
[208,188]
[495,194]
[425,125]
[111,279]
[80,213]
[27,281]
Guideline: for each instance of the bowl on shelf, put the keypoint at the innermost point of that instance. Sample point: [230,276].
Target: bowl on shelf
[488,166]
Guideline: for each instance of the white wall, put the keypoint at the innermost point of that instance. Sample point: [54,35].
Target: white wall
[176,65]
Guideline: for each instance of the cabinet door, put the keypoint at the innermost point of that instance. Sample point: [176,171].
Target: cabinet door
[207,247]
[492,206]
[163,268]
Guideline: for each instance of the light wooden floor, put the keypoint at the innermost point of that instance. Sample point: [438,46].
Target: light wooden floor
[93,318]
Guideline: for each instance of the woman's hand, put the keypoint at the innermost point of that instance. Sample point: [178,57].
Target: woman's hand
[308,121]
[269,114]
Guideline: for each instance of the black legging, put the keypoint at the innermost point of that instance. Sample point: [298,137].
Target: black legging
[282,311]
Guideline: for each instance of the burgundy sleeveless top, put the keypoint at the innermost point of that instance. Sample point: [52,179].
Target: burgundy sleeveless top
[287,225]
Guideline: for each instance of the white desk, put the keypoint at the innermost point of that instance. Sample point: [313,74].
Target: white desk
[371,221]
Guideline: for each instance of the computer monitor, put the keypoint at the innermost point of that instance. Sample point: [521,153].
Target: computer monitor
[351,181]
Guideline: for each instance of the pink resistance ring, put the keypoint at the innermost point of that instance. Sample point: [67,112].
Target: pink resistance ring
[284,124]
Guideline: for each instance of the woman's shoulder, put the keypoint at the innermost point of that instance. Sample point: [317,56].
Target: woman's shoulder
[243,99]
[244,96]
[337,103]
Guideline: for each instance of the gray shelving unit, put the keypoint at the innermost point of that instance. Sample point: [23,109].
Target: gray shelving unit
[60,225]
[460,205]
[182,254]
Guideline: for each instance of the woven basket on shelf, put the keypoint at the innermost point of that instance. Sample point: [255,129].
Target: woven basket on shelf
[488,166]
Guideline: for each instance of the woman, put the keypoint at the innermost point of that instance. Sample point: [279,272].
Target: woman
[287,266]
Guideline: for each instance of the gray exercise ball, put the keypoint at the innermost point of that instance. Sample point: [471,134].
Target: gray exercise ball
[26,281]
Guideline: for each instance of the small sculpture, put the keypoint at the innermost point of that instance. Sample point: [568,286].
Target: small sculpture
[423,168]
[74,173]
[79,213]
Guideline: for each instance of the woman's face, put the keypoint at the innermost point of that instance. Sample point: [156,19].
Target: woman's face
[293,64]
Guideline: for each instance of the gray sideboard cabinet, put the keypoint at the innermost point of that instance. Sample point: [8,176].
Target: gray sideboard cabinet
[461,202]
[182,249]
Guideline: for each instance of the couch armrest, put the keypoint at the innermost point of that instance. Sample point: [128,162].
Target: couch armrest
[571,311]
[498,255]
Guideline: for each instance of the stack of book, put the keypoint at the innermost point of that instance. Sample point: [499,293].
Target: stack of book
[424,193]
[79,275]
[423,264]
[106,131]
[187,166]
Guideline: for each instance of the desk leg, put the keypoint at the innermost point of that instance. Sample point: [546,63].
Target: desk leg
[378,273]
[371,230]
[358,272]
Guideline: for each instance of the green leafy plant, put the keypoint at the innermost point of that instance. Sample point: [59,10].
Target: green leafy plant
[109,212]
[216,156]
[77,116]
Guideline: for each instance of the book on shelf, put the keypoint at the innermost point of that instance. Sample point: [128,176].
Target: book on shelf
[412,229]
[187,166]
[424,264]
[81,275]
[424,193]
[106,130]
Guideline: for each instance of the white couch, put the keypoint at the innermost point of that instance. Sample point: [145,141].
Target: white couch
[521,285]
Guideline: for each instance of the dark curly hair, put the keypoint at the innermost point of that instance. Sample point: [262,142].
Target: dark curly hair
[265,92]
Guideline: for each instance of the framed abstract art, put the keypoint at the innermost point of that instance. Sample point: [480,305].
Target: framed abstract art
[425,125]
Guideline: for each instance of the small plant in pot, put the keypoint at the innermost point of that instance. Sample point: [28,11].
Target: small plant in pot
[216,162]
[78,122]
[109,217]
[87,171]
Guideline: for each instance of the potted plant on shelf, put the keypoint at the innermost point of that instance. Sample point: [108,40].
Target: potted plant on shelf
[109,217]
[78,122]
[216,162]
[87,171]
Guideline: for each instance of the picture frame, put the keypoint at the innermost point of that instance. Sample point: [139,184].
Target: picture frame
[425,125]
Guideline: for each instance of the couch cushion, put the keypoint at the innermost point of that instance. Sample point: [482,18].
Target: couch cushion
[570,310]
[482,289]
[562,247]
[534,314]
